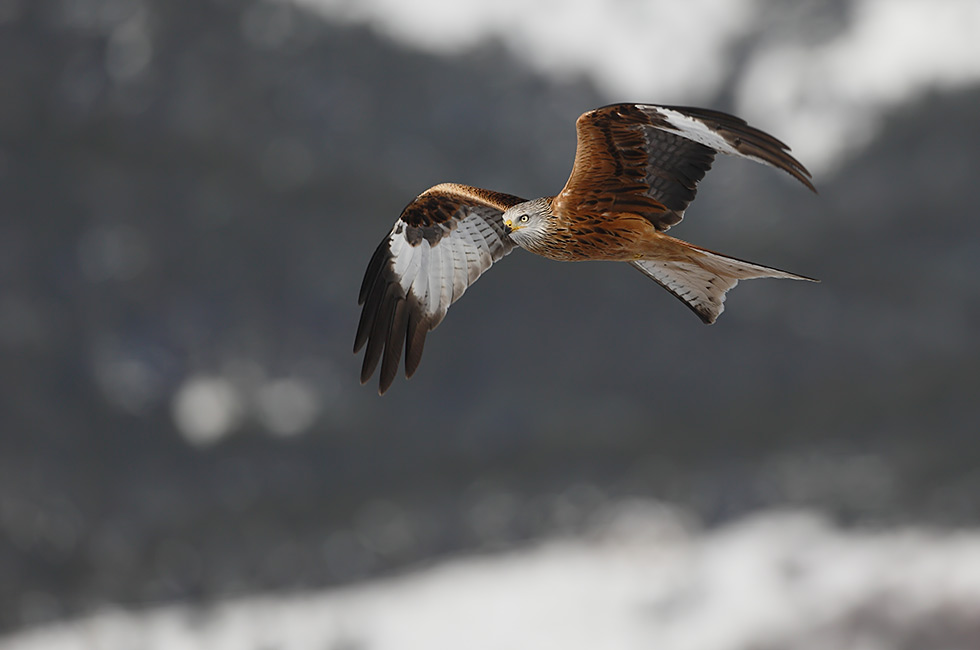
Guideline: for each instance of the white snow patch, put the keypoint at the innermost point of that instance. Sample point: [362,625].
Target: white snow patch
[644,579]
[824,99]
[666,50]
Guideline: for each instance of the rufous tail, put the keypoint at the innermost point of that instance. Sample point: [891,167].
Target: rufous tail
[700,277]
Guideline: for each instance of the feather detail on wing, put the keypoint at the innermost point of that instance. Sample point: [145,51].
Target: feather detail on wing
[648,160]
[442,242]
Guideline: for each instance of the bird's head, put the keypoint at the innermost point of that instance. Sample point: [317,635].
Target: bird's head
[528,221]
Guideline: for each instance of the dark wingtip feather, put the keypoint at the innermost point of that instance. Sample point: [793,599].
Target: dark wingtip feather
[372,292]
[381,255]
[371,302]
[397,328]
[414,340]
[779,158]
[389,321]
[378,335]
[754,142]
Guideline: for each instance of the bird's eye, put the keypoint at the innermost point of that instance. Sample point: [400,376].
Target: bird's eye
[524,218]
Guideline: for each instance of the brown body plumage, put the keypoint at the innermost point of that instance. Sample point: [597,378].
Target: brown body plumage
[636,170]
[577,237]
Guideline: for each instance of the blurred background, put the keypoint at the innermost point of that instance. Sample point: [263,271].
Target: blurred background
[190,191]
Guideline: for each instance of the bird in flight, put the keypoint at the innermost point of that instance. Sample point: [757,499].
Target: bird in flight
[636,169]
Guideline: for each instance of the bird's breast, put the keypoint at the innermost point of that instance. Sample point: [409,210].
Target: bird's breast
[594,237]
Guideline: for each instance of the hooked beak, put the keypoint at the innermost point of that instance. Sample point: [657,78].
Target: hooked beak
[509,225]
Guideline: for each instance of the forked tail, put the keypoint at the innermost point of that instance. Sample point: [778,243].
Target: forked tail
[701,278]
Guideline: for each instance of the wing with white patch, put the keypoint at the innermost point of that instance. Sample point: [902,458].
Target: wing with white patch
[648,159]
[442,242]
[727,134]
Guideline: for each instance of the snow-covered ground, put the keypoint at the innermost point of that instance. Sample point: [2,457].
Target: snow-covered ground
[819,85]
[644,577]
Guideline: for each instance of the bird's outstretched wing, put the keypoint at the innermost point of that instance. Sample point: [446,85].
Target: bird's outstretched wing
[442,242]
[648,159]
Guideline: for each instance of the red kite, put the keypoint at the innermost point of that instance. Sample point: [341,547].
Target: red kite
[636,169]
